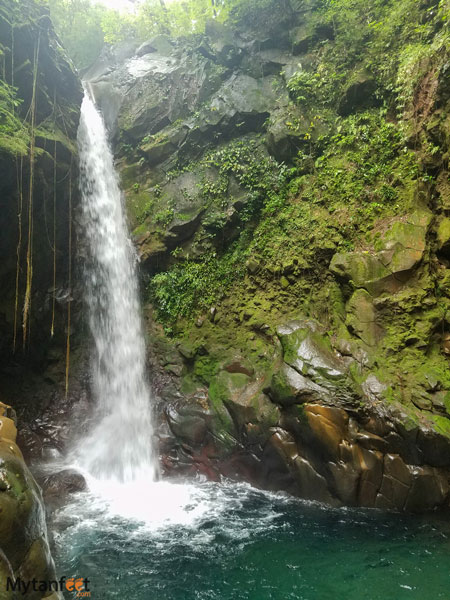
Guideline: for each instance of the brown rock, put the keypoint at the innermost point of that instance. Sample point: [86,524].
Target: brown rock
[311,484]
[371,464]
[328,427]
[395,467]
[392,492]
[429,489]
[371,441]
[344,481]
[285,445]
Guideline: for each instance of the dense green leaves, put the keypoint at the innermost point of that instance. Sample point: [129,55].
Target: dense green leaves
[79,24]
[14,136]
[193,285]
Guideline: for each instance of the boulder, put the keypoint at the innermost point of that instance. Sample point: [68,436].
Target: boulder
[188,421]
[289,387]
[244,401]
[58,486]
[159,43]
[361,317]
[307,351]
[390,267]
[22,526]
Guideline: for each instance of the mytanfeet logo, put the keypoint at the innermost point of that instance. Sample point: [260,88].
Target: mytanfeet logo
[77,585]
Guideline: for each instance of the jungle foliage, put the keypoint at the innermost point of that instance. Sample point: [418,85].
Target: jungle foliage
[357,165]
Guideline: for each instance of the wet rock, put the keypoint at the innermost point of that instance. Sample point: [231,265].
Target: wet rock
[343,480]
[327,428]
[58,486]
[371,442]
[312,485]
[435,448]
[22,525]
[373,388]
[188,421]
[429,489]
[289,387]
[8,430]
[390,267]
[306,350]
[371,465]
[244,402]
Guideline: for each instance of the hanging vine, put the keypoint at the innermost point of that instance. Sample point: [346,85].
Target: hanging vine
[29,277]
[52,329]
[19,176]
[69,303]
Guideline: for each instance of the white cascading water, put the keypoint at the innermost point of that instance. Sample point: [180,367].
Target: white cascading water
[116,454]
[119,446]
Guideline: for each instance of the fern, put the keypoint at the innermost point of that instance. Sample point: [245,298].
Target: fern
[14,135]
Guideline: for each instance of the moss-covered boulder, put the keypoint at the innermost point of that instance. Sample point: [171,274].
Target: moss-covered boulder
[23,536]
[388,266]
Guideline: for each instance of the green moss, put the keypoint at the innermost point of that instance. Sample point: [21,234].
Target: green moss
[218,394]
[280,388]
[14,133]
[205,368]
[351,189]
[442,425]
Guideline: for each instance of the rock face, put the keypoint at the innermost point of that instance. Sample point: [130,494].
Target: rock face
[23,532]
[294,241]
[167,107]
[32,371]
[313,428]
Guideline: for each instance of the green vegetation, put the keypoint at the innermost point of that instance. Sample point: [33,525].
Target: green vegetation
[86,26]
[352,172]
[79,23]
[14,135]
[191,286]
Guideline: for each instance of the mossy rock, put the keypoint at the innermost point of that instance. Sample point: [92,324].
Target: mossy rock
[361,317]
[388,267]
[240,405]
[307,350]
[443,236]
[288,387]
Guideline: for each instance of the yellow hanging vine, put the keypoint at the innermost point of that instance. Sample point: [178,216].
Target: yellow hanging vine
[69,303]
[52,329]
[29,278]
[19,173]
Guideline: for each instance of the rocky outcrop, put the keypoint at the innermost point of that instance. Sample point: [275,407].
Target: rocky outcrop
[24,546]
[315,427]
[295,239]
[32,372]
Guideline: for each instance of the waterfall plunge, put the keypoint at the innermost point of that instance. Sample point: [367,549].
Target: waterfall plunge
[118,449]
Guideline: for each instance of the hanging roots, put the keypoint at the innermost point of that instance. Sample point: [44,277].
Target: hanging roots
[69,304]
[29,279]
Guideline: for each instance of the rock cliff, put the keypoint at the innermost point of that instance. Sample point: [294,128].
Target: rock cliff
[39,104]
[40,96]
[287,186]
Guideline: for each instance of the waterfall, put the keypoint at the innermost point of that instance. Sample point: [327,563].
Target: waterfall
[119,446]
